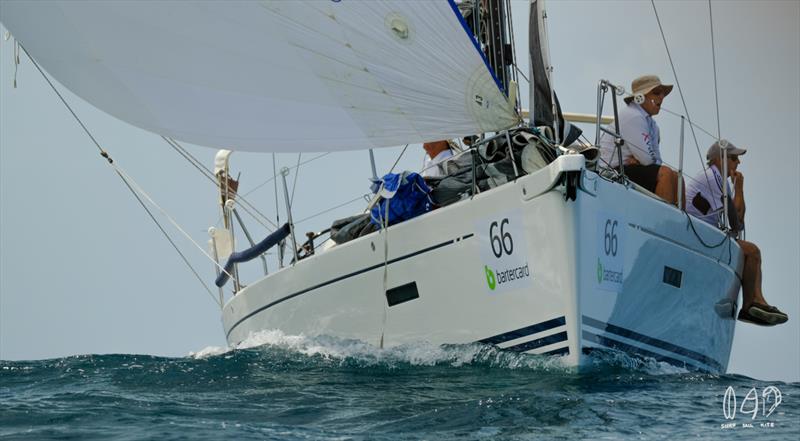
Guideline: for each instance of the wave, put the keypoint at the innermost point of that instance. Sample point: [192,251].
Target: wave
[329,350]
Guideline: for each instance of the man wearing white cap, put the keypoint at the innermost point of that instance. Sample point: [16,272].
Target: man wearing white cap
[705,200]
[641,152]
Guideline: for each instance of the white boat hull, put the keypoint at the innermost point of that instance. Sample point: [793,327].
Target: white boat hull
[568,280]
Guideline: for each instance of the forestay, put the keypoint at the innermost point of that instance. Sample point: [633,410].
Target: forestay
[271,75]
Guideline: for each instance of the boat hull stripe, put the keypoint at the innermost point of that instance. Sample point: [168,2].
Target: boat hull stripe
[661,344]
[538,343]
[618,345]
[559,351]
[523,332]
[346,276]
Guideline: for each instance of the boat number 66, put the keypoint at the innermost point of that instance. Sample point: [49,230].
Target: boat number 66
[610,238]
[501,239]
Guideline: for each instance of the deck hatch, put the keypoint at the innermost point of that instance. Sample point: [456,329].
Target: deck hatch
[402,294]
[673,276]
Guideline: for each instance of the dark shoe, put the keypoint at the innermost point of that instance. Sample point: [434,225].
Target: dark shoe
[763,315]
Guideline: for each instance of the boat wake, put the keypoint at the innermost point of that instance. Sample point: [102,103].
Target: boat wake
[334,351]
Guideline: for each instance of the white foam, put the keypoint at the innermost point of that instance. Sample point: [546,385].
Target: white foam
[209,351]
[417,354]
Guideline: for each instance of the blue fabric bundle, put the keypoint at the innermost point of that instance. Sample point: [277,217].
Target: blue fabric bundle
[407,195]
[251,253]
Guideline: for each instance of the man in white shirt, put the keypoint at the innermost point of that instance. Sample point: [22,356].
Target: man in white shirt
[705,201]
[641,152]
[435,164]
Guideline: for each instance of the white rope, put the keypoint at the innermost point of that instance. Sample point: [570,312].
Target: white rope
[143,193]
[385,300]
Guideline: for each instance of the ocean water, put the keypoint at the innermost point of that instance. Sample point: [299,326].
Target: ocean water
[279,387]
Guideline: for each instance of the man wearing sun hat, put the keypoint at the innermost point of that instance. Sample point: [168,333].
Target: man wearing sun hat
[705,197]
[641,152]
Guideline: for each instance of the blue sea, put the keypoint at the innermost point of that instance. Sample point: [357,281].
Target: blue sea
[279,387]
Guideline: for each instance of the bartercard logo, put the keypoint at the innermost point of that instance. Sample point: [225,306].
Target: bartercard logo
[498,277]
[606,275]
[490,279]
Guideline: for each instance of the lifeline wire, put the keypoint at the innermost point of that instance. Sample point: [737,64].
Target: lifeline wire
[104,154]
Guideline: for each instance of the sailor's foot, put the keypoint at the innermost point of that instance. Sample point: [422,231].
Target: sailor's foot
[763,315]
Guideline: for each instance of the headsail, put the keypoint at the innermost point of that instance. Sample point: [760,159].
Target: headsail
[270,75]
[541,92]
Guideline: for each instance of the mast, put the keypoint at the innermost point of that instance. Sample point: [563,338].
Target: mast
[499,47]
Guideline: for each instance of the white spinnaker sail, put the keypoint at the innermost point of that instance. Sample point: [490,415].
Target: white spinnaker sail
[270,75]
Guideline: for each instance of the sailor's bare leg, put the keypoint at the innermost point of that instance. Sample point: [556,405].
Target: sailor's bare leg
[666,185]
[751,275]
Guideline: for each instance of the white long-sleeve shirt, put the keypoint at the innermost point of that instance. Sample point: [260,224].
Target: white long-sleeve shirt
[641,135]
[435,167]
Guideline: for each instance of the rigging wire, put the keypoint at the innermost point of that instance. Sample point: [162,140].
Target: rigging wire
[169,239]
[522,74]
[296,174]
[167,215]
[329,210]
[398,158]
[248,207]
[697,126]
[714,61]
[680,91]
[191,159]
[120,173]
[275,174]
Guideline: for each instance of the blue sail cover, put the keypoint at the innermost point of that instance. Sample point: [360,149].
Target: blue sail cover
[251,253]
[407,195]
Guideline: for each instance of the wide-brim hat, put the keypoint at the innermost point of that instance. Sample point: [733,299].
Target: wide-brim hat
[716,149]
[646,84]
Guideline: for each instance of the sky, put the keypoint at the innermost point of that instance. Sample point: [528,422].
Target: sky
[84,270]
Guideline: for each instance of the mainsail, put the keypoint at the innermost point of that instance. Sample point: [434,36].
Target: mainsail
[271,75]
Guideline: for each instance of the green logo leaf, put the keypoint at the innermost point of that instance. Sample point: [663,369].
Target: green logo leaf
[490,279]
[599,271]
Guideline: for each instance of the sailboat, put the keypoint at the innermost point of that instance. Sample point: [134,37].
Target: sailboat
[559,261]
